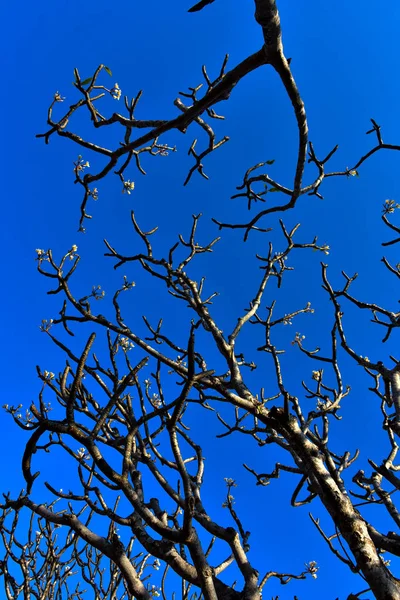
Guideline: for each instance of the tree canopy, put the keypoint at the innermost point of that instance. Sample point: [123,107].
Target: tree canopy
[218,406]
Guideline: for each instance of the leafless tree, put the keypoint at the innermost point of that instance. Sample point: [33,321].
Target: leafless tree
[139,467]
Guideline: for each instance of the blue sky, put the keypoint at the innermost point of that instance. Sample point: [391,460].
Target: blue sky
[344,59]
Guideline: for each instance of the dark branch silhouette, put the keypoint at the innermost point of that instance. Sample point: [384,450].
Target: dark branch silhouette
[134,523]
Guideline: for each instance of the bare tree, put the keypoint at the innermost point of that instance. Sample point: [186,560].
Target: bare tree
[123,422]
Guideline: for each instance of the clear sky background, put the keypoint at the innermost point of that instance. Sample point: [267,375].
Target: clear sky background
[345,61]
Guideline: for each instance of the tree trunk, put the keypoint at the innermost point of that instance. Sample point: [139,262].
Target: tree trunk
[347,519]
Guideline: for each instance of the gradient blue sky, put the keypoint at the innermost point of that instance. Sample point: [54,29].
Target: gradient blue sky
[345,60]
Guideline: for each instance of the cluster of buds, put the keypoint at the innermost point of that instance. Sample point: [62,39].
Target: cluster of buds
[156,564]
[48,375]
[229,501]
[80,164]
[125,343]
[97,292]
[28,418]
[230,482]
[128,284]
[116,92]
[129,186]
[82,454]
[41,254]
[180,362]
[46,324]
[390,206]
[72,253]
[13,409]
[58,97]
[298,338]
[312,568]
[156,400]
[162,149]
